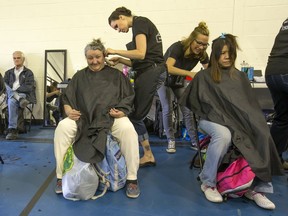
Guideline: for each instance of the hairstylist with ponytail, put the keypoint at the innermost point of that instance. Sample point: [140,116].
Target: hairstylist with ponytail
[145,55]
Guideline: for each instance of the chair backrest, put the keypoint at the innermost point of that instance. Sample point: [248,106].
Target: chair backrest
[33,94]
[29,108]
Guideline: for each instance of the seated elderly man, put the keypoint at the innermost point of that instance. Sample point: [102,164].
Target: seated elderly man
[19,82]
[97,101]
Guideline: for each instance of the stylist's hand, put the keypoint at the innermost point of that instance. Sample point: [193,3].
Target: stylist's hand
[116,113]
[192,74]
[74,114]
[110,51]
[57,92]
[113,61]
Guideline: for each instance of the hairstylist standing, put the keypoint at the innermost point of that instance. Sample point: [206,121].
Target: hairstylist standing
[181,57]
[145,55]
[276,76]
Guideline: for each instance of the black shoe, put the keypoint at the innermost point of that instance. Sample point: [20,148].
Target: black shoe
[132,190]
[58,187]
[285,165]
[12,134]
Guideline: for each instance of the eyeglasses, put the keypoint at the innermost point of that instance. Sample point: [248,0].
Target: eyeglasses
[201,43]
[16,57]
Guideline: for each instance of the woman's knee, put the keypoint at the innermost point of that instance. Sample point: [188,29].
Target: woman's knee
[219,134]
[123,125]
[226,137]
[66,125]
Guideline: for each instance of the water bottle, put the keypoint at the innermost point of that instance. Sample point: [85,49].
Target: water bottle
[251,73]
[244,67]
[248,70]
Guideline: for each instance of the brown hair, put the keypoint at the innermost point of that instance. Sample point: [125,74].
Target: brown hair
[117,12]
[217,45]
[202,28]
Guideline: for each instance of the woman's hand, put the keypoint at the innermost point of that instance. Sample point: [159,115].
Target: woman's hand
[74,114]
[110,51]
[115,113]
[113,61]
[57,92]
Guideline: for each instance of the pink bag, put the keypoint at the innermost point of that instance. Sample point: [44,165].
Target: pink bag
[236,179]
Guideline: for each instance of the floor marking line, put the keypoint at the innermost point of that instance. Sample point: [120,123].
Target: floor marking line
[38,194]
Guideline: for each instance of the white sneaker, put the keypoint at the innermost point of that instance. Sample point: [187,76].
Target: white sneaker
[171,147]
[195,147]
[211,194]
[260,199]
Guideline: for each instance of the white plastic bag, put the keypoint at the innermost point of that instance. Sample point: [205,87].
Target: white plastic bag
[80,181]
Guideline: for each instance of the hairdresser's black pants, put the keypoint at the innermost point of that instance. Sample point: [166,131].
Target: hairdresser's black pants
[278,86]
[146,84]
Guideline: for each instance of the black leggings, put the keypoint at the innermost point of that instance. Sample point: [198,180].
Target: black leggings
[145,85]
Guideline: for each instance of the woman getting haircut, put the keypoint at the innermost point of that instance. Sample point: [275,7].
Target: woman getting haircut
[145,55]
[222,97]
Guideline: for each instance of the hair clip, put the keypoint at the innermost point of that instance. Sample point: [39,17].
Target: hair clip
[222,35]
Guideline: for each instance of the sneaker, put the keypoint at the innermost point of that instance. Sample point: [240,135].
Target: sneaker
[260,199]
[285,165]
[211,194]
[23,102]
[132,190]
[52,107]
[12,134]
[58,188]
[195,147]
[171,147]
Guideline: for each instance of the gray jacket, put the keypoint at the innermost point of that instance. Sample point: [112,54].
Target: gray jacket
[26,80]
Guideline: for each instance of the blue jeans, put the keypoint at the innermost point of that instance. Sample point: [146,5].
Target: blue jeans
[13,106]
[278,86]
[166,97]
[218,147]
[221,140]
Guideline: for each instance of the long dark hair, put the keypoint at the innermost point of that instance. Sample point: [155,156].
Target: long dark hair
[217,45]
[117,12]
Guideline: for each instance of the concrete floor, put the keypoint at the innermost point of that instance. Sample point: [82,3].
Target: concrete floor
[27,181]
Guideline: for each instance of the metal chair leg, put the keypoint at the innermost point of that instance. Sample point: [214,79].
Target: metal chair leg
[1,160]
[198,144]
[31,115]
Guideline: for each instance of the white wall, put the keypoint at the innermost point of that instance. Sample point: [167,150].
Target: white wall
[35,25]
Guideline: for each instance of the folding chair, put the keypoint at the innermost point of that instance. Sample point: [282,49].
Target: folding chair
[198,145]
[29,108]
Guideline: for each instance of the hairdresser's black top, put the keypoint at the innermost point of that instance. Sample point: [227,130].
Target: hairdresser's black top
[177,52]
[154,52]
[278,59]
